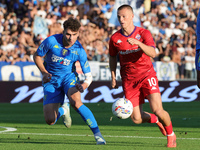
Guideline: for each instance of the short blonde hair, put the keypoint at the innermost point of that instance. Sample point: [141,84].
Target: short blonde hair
[125,6]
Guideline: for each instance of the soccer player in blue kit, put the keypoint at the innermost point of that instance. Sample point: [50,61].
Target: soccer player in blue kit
[197,58]
[56,58]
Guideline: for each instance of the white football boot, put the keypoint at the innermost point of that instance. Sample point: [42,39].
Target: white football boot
[100,140]
[66,117]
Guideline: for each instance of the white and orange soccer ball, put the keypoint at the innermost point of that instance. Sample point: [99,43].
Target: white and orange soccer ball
[122,108]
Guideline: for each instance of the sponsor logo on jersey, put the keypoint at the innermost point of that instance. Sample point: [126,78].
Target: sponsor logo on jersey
[61,60]
[129,51]
[56,46]
[138,37]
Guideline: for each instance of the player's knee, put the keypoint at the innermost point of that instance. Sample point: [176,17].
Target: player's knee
[75,99]
[136,120]
[158,112]
[76,104]
[50,121]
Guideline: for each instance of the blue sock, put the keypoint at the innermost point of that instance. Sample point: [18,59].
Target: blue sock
[89,119]
[60,113]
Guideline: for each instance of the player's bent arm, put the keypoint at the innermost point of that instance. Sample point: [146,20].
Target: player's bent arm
[88,80]
[39,63]
[113,66]
[148,50]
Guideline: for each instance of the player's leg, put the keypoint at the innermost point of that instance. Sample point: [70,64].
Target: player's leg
[75,101]
[133,93]
[157,108]
[53,97]
[139,116]
[51,113]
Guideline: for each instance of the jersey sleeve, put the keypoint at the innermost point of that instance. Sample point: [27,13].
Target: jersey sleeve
[83,61]
[148,39]
[112,49]
[44,47]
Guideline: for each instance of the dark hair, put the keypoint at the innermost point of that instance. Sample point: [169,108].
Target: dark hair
[125,6]
[72,24]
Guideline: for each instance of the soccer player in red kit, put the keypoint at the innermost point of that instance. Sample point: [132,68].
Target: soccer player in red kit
[135,47]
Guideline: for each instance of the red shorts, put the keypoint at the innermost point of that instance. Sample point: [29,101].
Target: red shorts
[136,91]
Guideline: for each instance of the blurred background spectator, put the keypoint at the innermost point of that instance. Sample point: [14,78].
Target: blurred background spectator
[24,24]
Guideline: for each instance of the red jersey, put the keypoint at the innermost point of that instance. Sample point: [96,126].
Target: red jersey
[134,62]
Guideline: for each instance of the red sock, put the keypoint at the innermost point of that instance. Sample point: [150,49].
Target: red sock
[169,129]
[153,118]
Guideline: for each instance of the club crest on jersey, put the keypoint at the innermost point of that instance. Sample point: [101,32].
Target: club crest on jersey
[138,37]
[64,52]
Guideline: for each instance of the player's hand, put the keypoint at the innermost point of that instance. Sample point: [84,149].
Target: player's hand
[114,84]
[79,87]
[133,41]
[46,77]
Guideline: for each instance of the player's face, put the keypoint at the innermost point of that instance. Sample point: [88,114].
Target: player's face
[125,17]
[70,37]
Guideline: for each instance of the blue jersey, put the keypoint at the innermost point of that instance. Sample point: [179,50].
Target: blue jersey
[60,61]
[198,32]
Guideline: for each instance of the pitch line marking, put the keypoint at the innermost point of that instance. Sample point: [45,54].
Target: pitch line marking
[8,129]
[142,137]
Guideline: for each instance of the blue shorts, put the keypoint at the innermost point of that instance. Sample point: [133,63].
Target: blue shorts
[197,60]
[55,90]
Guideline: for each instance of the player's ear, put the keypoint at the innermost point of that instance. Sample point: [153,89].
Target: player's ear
[133,15]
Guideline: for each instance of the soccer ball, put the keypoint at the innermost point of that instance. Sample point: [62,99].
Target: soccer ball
[122,108]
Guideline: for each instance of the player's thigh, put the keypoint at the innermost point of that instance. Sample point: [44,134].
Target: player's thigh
[150,90]
[155,102]
[74,97]
[132,92]
[52,94]
[72,93]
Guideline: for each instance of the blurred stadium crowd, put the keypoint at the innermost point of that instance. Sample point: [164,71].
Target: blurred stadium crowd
[171,22]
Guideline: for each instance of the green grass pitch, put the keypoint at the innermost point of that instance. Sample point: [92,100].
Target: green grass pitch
[32,133]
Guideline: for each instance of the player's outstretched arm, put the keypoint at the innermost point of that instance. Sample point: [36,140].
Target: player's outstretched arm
[113,66]
[39,63]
